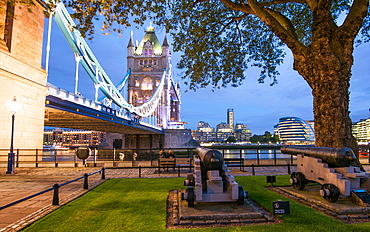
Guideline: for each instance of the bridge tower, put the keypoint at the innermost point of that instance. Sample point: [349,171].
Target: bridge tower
[21,75]
[147,60]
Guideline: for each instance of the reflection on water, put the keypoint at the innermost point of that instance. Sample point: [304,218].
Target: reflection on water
[58,155]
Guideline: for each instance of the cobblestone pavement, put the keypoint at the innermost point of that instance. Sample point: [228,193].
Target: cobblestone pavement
[28,181]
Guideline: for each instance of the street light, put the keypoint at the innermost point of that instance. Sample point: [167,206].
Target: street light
[13,109]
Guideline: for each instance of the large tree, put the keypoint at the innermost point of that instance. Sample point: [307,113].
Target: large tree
[220,39]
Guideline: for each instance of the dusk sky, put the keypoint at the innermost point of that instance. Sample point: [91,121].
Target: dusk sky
[259,106]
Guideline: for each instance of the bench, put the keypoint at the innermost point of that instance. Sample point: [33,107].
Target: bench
[234,162]
[183,162]
[174,162]
[167,163]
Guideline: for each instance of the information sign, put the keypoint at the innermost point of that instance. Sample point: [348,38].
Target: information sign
[281,207]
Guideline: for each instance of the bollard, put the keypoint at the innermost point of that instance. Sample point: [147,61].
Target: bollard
[103,173]
[56,195]
[253,173]
[56,159]
[86,183]
[139,171]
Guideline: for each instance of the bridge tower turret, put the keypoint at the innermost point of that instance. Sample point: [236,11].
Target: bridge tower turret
[147,61]
[130,51]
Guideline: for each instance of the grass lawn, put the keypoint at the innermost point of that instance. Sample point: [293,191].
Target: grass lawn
[140,205]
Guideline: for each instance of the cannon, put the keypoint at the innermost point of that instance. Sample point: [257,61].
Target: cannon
[211,180]
[330,167]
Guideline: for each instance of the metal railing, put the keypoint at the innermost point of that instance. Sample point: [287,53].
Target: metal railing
[55,199]
[142,157]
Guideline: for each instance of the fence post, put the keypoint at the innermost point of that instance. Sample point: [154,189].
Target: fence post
[275,155]
[253,173]
[114,156]
[291,159]
[139,171]
[103,173]
[288,168]
[86,181]
[56,158]
[17,161]
[56,195]
[178,171]
[94,159]
[258,156]
[37,159]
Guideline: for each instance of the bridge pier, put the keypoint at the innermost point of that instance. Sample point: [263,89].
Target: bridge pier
[132,141]
[179,138]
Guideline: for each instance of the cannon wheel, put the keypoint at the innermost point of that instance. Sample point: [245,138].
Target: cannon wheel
[329,192]
[298,180]
[191,180]
[191,196]
[240,200]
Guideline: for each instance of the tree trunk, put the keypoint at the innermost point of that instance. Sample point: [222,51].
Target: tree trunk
[328,75]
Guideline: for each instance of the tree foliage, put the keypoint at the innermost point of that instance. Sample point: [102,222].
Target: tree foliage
[220,39]
[231,139]
[265,138]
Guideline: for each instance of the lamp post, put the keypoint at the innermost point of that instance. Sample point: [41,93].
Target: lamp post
[13,109]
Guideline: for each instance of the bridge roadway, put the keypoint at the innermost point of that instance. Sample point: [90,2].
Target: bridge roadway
[67,114]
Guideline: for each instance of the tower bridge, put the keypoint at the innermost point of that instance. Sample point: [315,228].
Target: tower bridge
[152,106]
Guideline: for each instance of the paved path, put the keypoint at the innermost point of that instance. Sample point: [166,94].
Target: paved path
[28,181]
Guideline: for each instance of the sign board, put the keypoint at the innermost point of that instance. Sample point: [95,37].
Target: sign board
[281,207]
[270,179]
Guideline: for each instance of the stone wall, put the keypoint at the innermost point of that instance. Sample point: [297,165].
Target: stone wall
[21,75]
[179,138]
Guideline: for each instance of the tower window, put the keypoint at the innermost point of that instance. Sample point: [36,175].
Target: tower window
[147,84]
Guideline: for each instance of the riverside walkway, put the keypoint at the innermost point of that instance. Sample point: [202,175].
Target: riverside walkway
[28,181]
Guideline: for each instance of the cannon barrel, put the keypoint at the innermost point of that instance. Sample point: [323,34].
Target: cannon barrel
[339,157]
[211,159]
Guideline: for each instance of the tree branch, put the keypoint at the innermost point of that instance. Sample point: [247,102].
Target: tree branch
[276,2]
[353,22]
[231,21]
[277,23]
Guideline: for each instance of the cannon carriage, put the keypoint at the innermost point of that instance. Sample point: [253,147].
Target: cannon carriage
[211,180]
[331,168]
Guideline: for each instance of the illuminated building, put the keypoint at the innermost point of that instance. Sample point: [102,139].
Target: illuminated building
[230,119]
[361,131]
[204,127]
[224,127]
[73,138]
[293,130]
[206,133]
